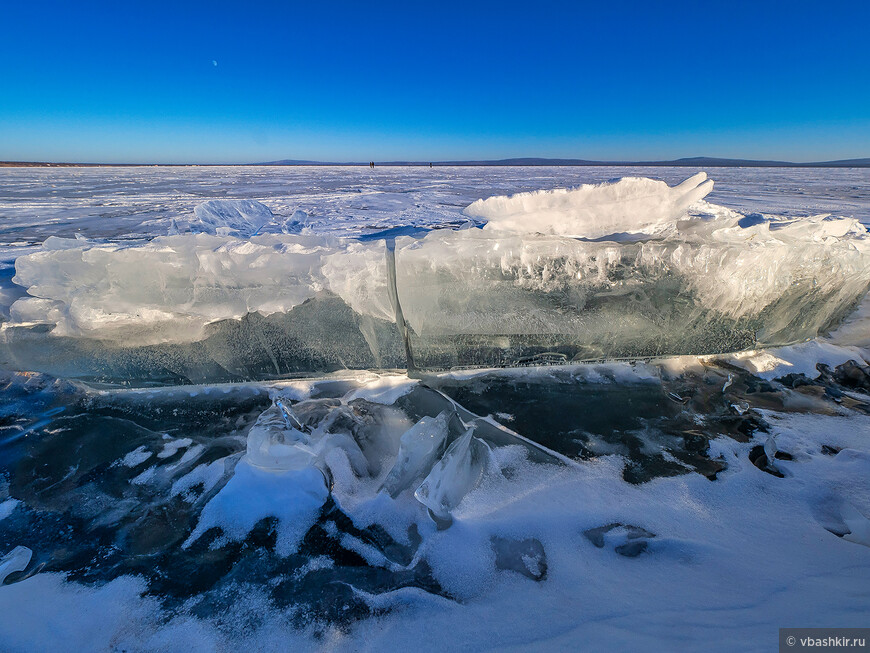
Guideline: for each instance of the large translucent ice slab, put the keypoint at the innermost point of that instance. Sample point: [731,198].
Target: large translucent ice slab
[715,285]
[166,289]
[652,271]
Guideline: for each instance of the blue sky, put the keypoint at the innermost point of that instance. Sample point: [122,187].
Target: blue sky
[252,81]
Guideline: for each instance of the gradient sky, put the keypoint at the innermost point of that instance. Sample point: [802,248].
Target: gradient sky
[176,82]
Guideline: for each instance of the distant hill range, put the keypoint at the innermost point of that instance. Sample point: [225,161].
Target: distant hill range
[692,162]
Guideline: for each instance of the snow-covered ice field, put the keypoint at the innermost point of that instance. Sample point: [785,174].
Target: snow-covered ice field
[128,202]
[208,441]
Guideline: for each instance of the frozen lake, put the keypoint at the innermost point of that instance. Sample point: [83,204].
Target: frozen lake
[195,453]
[124,202]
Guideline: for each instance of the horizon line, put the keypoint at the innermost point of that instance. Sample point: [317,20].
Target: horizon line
[729,162]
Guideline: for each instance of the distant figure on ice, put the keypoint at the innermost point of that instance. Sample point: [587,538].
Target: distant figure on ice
[430,164]
[372,164]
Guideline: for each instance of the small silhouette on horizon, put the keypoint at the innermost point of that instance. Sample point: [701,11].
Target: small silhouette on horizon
[372,164]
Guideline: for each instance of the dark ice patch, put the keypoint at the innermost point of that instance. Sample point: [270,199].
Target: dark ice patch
[526,557]
[627,540]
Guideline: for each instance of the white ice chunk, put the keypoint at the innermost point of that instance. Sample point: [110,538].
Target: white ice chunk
[15,560]
[454,476]
[418,448]
[242,218]
[145,477]
[630,205]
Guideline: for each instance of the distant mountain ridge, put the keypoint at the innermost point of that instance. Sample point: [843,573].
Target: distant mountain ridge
[693,162]
[688,162]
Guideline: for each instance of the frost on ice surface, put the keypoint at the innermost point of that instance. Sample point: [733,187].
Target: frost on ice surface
[628,205]
[136,457]
[171,447]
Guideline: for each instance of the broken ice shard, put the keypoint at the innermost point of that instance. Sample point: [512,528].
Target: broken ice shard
[295,223]
[454,476]
[242,218]
[418,449]
[274,442]
[14,561]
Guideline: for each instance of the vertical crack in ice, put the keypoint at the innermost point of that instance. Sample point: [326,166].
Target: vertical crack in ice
[397,307]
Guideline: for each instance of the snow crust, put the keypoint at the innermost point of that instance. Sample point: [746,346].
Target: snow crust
[700,567]
[293,496]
